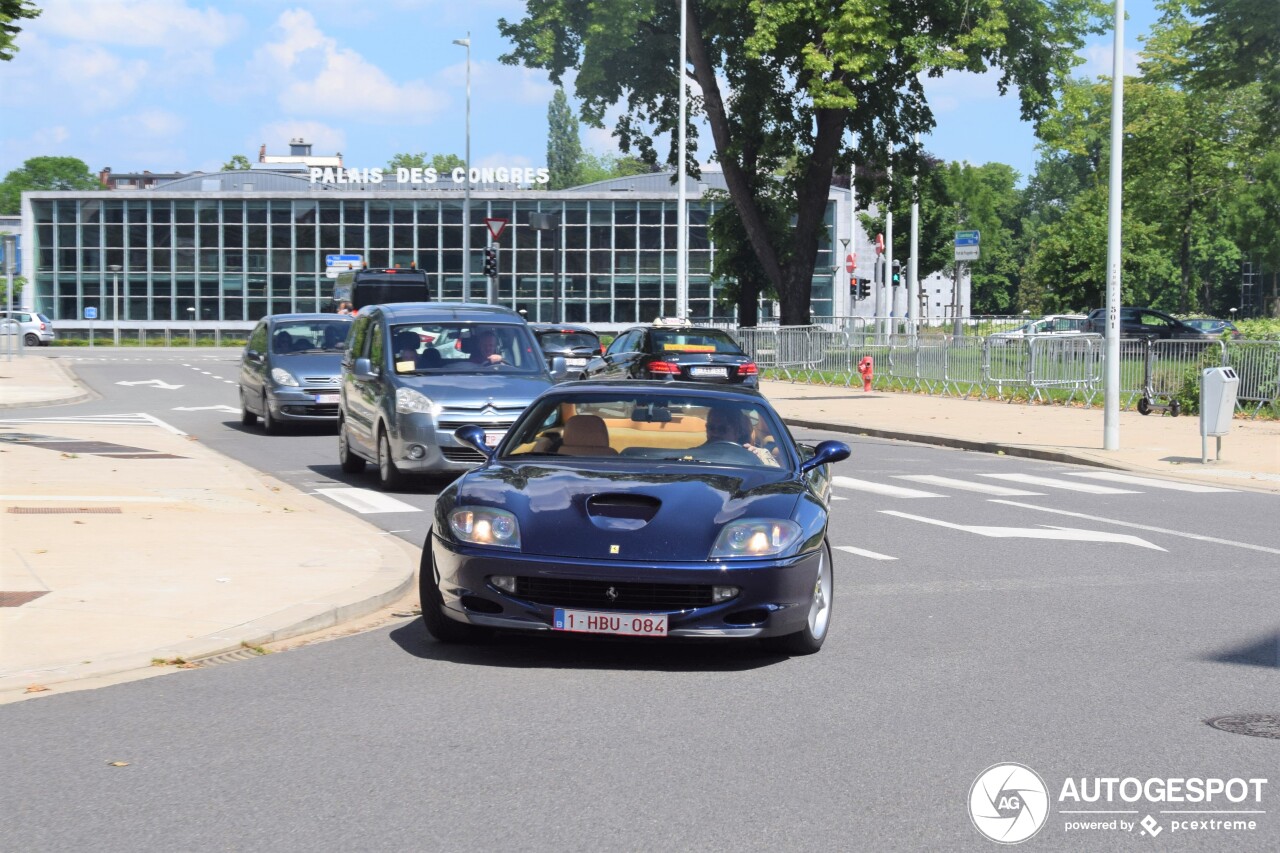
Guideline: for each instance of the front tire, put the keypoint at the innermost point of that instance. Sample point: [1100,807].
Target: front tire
[270,423]
[247,418]
[350,462]
[390,478]
[439,626]
[809,639]
[1144,406]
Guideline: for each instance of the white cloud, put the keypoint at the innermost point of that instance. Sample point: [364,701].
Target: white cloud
[1098,59]
[314,75]
[149,23]
[98,79]
[156,123]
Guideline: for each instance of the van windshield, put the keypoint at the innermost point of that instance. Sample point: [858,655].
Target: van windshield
[465,348]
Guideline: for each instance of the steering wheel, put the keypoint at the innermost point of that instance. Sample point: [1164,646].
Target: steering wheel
[727,451]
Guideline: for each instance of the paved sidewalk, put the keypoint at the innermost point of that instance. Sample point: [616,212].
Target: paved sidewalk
[123,544]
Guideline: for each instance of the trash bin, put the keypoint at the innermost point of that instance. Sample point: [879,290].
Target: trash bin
[1218,388]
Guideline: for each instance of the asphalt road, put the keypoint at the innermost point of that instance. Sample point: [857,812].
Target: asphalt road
[970,629]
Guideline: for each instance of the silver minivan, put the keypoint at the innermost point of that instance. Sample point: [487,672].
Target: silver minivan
[289,369]
[416,371]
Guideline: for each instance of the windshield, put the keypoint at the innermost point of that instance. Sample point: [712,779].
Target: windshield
[310,336]
[465,348]
[644,428]
[694,340]
[568,340]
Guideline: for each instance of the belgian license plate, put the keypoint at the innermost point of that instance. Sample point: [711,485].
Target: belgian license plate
[709,371]
[493,436]
[326,398]
[629,624]
[576,362]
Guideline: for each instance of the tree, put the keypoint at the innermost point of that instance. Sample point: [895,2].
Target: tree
[602,167]
[442,163]
[1236,42]
[44,173]
[800,77]
[564,148]
[10,11]
[238,162]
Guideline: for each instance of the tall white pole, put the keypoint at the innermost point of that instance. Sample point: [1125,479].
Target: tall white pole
[1111,380]
[682,263]
[888,256]
[853,224]
[466,188]
[913,284]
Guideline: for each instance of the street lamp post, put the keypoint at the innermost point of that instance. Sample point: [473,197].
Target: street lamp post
[191,316]
[115,297]
[544,222]
[466,187]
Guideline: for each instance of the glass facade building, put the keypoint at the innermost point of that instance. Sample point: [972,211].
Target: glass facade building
[236,255]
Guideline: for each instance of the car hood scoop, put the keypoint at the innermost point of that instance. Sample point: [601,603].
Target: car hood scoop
[621,511]
[671,515]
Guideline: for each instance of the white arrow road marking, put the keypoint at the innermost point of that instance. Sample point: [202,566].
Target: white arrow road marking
[230,409]
[965,485]
[862,553]
[365,501]
[1061,484]
[156,382]
[881,488]
[1150,482]
[1066,533]
[1197,536]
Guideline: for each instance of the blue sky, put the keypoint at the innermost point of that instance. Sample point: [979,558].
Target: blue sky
[182,85]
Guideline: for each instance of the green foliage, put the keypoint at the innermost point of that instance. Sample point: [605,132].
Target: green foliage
[18,283]
[442,163]
[11,11]
[44,173]
[1259,328]
[601,167]
[1237,42]
[564,148]
[237,163]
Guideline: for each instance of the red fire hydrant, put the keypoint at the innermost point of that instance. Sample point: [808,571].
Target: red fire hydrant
[867,367]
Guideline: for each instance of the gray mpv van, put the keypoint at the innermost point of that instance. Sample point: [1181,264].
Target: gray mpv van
[414,372]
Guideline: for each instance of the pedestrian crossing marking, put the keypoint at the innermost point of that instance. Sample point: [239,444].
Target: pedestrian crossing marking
[881,488]
[864,553]
[1147,481]
[366,501]
[130,419]
[966,485]
[1050,482]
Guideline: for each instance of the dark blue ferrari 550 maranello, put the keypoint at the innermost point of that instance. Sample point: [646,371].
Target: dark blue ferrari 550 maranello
[629,508]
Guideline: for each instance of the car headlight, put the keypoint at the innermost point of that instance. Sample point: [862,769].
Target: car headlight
[280,376]
[756,537]
[409,401]
[485,526]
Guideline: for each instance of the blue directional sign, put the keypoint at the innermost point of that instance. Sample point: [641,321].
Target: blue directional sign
[91,313]
[967,238]
[340,260]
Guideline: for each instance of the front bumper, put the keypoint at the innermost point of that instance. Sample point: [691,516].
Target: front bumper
[440,452]
[773,600]
[303,404]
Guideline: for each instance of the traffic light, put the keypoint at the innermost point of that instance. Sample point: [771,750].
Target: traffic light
[864,289]
[897,273]
[491,261]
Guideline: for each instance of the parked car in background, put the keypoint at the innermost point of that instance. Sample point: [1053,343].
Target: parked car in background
[35,328]
[637,509]
[289,369]
[415,372]
[1051,324]
[577,344]
[1214,326]
[675,350]
[1144,323]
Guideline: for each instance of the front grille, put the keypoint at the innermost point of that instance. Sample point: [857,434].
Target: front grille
[595,595]
[328,410]
[321,381]
[461,454]
[450,422]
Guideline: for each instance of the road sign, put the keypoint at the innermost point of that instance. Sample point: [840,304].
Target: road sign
[966,253]
[344,261]
[496,226]
[879,244]
[91,313]
[850,262]
[967,238]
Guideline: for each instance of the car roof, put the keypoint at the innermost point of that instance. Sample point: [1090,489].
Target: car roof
[561,327]
[406,312]
[318,315]
[649,388]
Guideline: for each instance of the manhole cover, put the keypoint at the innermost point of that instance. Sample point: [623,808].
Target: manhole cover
[1254,725]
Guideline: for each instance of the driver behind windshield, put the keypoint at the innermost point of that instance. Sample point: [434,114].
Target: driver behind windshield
[731,424]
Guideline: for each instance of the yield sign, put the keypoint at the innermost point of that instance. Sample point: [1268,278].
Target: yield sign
[496,226]
[850,263]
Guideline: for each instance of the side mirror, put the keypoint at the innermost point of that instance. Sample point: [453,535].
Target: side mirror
[824,454]
[363,369]
[473,436]
[253,355]
[559,369]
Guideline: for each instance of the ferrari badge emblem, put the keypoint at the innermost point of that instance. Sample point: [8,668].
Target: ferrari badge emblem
[613,549]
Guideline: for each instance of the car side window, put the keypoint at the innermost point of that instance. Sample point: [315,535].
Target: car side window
[360,337]
[258,340]
[622,343]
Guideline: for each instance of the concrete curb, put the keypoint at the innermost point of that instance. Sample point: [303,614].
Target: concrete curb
[80,393]
[386,586]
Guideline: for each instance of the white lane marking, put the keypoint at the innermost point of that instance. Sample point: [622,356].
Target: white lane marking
[1050,482]
[1197,536]
[1069,534]
[881,488]
[863,553]
[133,419]
[965,485]
[158,383]
[1147,481]
[366,501]
[230,409]
[838,498]
[160,423]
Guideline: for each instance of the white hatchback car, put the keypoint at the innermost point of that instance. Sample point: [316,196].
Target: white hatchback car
[1052,324]
[36,329]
